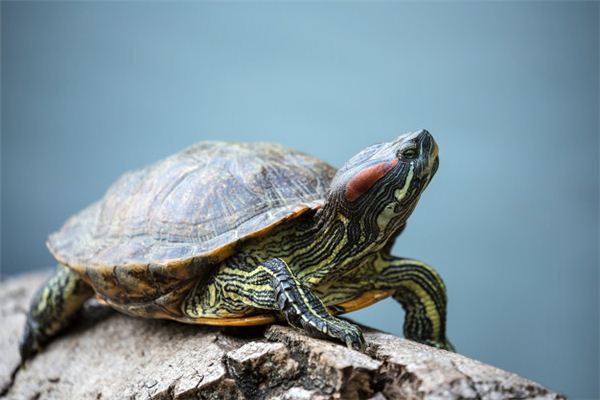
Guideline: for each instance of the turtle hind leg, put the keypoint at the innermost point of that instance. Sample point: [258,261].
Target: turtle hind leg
[51,309]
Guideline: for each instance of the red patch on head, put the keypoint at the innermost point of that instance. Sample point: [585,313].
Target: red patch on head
[366,178]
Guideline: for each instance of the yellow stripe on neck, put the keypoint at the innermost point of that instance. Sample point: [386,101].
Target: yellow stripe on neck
[389,210]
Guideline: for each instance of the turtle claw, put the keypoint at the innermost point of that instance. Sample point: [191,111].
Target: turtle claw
[31,341]
[356,342]
[348,333]
[332,327]
[446,345]
[443,344]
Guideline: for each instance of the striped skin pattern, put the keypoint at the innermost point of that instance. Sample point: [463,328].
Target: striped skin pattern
[340,252]
[303,242]
[52,307]
[171,221]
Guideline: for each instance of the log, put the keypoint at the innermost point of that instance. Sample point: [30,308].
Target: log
[106,355]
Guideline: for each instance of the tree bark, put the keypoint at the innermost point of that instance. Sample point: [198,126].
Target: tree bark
[106,355]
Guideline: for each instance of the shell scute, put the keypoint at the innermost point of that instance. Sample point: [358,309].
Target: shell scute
[160,226]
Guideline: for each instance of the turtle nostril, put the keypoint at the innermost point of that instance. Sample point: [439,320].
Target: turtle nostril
[426,141]
[422,133]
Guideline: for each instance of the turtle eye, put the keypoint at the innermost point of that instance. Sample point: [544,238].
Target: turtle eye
[409,153]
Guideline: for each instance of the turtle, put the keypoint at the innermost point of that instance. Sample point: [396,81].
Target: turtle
[240,234]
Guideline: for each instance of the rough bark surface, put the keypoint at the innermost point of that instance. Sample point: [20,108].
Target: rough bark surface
[110,356]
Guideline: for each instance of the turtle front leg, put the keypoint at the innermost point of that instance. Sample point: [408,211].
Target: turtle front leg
[51,309]
[273,286]
[422,293]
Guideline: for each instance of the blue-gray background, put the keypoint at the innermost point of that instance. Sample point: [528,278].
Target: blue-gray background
[509,90]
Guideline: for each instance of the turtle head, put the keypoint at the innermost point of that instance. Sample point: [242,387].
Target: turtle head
[380,186]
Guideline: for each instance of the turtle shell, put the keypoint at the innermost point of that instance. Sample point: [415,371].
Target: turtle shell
[159,227]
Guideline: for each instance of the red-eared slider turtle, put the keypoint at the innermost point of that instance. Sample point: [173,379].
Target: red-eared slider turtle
[245,233]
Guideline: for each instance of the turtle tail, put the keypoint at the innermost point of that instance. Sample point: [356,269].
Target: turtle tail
[52,308]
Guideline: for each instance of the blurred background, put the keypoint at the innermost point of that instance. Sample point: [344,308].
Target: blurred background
[509,90]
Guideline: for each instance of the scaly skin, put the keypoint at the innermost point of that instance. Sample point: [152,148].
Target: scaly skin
[336,259]
[309,264]
[52,308]
[422,293]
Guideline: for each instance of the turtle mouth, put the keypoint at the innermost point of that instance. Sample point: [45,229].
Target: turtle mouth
[434,168]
